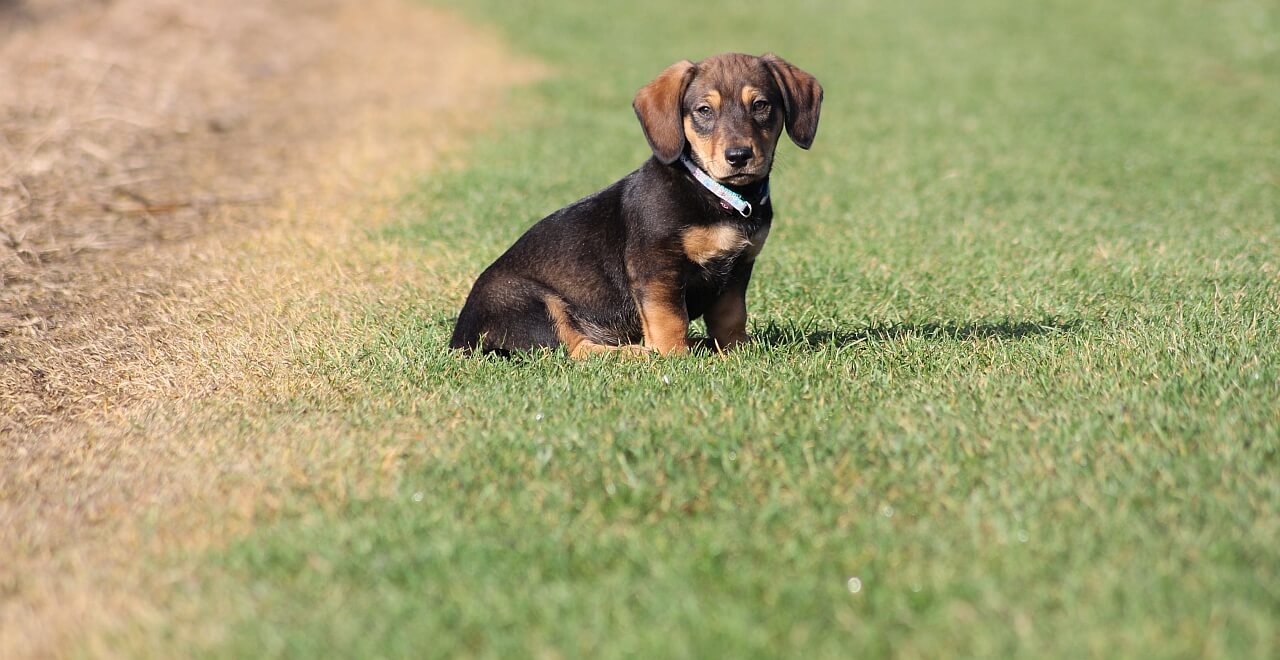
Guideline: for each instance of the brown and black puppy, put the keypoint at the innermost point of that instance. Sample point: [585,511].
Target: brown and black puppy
[627,268]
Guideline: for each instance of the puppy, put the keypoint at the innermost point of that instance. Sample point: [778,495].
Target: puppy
[626,269]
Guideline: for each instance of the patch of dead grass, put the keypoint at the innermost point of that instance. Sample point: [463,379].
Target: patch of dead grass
[183,202]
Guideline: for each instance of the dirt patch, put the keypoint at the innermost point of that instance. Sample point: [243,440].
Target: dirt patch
[180,182]
[133,124]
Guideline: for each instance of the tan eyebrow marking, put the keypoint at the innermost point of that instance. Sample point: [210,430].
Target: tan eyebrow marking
[749,93]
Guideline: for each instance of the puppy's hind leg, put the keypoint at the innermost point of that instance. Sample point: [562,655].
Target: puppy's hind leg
[505,319]
[578,344]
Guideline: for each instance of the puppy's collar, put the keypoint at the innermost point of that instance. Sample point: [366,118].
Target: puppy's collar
[728,198]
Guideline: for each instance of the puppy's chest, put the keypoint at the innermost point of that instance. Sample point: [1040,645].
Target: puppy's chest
[716,247]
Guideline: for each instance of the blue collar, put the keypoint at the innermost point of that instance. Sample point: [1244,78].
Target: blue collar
[728,198]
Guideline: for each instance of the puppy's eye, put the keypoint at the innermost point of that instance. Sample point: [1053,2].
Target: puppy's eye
[760,105]
[703,111]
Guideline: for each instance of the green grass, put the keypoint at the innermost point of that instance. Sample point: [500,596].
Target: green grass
[1016,371]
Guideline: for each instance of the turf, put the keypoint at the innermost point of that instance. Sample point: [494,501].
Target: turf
[1013,389]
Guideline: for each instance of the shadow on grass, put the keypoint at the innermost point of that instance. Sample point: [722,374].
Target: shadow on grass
[779,335]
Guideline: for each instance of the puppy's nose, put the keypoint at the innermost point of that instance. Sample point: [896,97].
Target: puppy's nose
[737,156]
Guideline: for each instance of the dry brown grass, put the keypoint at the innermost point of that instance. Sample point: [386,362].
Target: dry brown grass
[182,196]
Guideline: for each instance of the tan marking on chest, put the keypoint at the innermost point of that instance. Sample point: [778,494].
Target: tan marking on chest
[703,244]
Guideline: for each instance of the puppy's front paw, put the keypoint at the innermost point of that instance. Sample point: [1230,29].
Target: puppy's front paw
[725,344]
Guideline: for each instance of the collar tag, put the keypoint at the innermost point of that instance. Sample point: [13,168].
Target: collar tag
[733,199]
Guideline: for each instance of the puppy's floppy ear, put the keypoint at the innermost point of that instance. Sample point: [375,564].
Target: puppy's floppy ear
[801,96]
[658,107]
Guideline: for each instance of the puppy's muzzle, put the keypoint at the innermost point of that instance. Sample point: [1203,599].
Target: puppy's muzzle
[738,156]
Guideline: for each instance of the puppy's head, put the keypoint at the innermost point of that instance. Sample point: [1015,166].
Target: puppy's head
[728,112]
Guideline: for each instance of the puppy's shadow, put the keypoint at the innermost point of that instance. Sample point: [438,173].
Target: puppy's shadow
[782,335]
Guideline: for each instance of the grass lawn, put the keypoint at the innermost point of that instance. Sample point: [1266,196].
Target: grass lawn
[1013,391]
